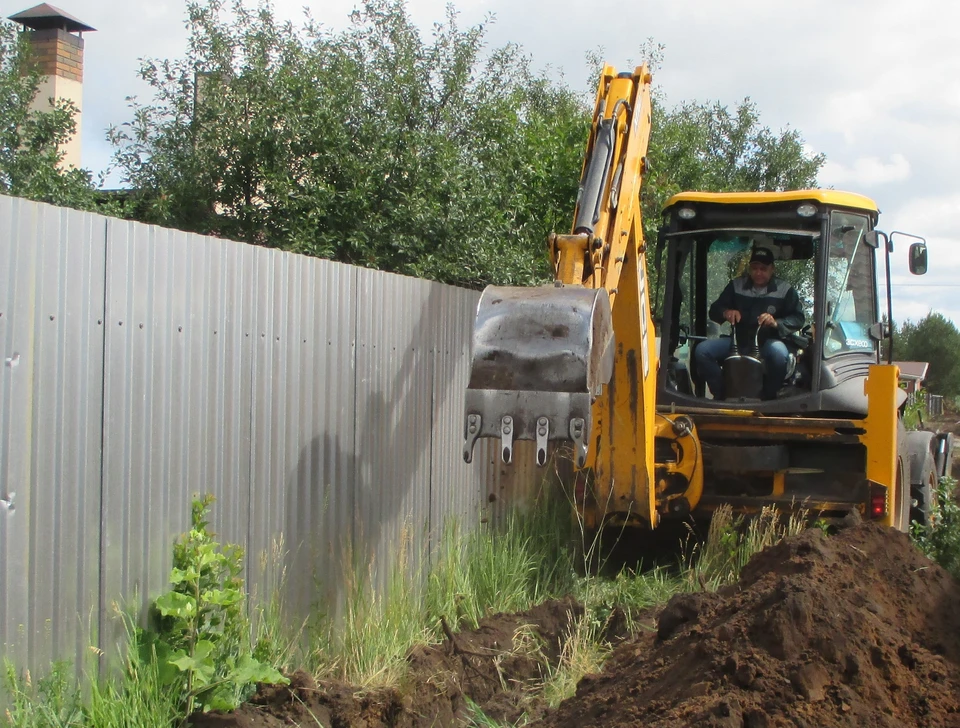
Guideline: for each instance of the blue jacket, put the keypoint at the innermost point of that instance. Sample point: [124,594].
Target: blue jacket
[779,299]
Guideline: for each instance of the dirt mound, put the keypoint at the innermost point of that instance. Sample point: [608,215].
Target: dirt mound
[495,666]
[858,629]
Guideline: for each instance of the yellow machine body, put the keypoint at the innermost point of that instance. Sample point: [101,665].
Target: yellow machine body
[582,361]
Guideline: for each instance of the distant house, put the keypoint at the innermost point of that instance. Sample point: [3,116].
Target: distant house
[912,374]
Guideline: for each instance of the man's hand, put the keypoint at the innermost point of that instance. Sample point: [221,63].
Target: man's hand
[766,319]
[732,315]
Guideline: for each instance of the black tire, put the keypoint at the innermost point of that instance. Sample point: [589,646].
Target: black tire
[923,492]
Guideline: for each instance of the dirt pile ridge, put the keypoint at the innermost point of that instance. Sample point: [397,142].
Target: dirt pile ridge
[857,629]
[496,666]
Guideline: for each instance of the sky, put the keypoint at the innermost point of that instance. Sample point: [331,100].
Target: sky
[872,84]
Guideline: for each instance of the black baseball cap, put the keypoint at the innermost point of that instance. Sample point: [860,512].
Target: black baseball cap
[762,255]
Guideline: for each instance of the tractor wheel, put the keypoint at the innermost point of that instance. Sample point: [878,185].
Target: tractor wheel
[923,492]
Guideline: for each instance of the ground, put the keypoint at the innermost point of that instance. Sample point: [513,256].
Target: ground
[855,629]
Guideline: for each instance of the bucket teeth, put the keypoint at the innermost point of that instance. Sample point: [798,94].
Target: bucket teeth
[578,433]
[508,428]
[506,438]
[543,434]
[473,432]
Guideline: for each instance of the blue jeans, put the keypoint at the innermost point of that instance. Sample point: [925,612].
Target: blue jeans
[711,353]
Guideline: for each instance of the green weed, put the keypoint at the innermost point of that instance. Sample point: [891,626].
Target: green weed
[136,699]
[200,639]
[940,541]
[53,702]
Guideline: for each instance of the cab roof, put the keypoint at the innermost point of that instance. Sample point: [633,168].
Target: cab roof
[825,197]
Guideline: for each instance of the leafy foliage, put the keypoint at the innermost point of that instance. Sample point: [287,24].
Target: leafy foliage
[913,414]
[941,539]
[376,147]
[370,146]
[936,340]
[30,157]
[201,642]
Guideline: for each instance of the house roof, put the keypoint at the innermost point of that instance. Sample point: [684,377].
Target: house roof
[913,369]
[45,16]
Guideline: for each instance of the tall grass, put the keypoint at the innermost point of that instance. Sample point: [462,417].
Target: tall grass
[474,574]
[506,569]
[731,542]
[274,641]
[366,646]
[133,699]
[136,699]
[52,701]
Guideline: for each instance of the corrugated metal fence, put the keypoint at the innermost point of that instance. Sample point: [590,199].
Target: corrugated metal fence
[320,404]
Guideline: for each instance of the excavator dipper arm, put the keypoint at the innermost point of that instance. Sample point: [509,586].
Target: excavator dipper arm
[576,361]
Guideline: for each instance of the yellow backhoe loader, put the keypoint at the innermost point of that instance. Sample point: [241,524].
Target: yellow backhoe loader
[606,361]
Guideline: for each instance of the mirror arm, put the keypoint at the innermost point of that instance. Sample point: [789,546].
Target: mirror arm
[887,247]
[889,308]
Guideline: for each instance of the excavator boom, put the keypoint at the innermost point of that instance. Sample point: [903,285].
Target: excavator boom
[546,365]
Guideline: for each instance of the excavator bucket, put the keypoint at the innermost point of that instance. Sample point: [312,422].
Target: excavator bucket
[540,358]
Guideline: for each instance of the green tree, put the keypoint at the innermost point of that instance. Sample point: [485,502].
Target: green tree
[368,146]
[373,146]
[30,158]
[935,340]
[709,147]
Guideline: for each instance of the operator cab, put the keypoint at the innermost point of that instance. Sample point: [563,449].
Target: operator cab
[823,245]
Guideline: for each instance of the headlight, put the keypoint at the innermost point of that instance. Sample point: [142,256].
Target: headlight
[807,210]
[686,213]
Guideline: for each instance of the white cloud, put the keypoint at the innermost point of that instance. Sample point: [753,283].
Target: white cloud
[865,171]
[936,214]
[872,84]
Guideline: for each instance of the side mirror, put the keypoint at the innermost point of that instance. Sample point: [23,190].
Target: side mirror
[918,258]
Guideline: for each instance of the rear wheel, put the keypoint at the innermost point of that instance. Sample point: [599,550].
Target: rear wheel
[923,491]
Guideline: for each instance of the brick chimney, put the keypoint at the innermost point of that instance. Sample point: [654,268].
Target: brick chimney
[57,42]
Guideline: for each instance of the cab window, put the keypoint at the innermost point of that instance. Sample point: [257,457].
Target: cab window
[851,301]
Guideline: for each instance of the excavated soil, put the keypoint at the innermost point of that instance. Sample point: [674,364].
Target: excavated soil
[856,629]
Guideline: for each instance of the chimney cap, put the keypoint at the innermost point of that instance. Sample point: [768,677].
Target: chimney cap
[45,16]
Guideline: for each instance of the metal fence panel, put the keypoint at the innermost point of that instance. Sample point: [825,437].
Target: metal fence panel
[320,403]
[176,393]
[321,463]
[302,423]
[932,403]
[394,411]
[51,334]
[458,490]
